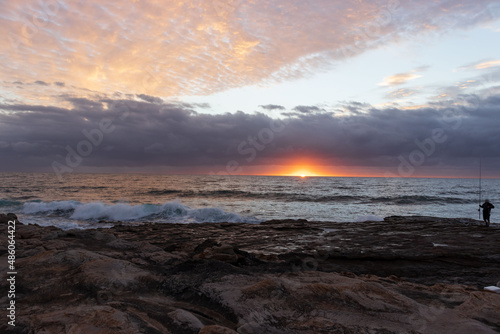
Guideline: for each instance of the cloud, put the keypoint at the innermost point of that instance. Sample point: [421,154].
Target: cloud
[151,99]
[32,108]
[488,64]
[42,83]
[484,84]
[308,109]
[24,147]
[137,135]
[399,79]
[480,65]
[400,93]
[353,107]
[272,107]
[197,47]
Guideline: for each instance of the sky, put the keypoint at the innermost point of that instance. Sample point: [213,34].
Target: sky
[392,88]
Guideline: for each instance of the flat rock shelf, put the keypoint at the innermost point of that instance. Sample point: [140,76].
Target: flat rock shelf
[401,275]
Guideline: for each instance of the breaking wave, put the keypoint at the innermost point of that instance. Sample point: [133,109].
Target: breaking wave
[171,212]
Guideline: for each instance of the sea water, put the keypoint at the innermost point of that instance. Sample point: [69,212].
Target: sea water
[97,200]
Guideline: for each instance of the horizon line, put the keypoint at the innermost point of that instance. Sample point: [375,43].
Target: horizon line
[270,175]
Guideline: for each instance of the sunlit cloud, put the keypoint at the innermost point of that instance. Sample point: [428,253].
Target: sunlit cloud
[197,47]
[400,93]
[399,79]
[480,65]
[488,64]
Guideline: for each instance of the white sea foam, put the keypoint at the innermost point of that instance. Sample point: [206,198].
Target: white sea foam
[173,209]
[120,211]
[168,212]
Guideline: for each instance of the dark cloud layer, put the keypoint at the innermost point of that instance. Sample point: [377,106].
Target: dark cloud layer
[308,109]
[148,98]
[125,133]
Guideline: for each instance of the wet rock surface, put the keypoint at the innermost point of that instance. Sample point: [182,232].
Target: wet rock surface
[402,275]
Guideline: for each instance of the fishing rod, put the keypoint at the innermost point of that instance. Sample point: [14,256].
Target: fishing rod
[479,210]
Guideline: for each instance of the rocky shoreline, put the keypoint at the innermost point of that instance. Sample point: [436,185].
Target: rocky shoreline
[401,275]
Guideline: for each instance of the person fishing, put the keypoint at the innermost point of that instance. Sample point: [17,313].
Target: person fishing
[486,206]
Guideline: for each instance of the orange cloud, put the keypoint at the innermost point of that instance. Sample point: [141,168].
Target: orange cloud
[173,48]
[481,65]
[194,47]
[488,64]
[399,79]
[401,93]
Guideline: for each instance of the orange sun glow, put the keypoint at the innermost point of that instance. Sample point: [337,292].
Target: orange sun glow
[303,171]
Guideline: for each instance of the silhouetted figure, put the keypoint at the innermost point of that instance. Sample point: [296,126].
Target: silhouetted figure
[487,206]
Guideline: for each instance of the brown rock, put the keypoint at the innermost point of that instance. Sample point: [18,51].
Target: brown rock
[5,218]
[307,302]
[186,320]
[403,275]
[224,253]
[27,231]
[108,273]
[56,245]
[214,329]
[84,320]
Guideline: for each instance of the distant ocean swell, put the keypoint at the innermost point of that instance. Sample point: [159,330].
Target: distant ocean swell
[174,212]
[287,197]
[290,197]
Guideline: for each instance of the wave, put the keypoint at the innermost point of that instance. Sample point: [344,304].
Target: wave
[320,198]
[98,211]
[420,199]
[282,196]
[158,192]
[206,193]
[49,207]
[9,203]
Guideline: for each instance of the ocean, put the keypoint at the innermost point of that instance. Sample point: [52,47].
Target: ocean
[97,200]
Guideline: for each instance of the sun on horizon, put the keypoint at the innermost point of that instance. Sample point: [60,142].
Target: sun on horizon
[303,170]
[303,174]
